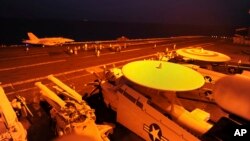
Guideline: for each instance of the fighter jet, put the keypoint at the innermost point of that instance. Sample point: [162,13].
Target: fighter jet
[50,41]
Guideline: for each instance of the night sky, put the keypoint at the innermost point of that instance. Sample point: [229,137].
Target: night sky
[204,12]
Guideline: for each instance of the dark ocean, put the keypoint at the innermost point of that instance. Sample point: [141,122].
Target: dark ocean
[13,31]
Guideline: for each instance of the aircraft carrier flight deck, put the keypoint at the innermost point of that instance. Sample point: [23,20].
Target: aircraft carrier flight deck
[74,63]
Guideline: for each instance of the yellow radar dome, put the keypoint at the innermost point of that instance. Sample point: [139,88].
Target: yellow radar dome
[203,55]
[163,76]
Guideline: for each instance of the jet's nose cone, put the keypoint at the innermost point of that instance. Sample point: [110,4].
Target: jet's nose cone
[70,40]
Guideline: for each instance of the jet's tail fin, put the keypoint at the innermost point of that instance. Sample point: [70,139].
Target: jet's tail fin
[32,36]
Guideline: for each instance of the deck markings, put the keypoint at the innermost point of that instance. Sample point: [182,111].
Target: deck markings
[72,71]
[21,57]
[39,79]
[32,65]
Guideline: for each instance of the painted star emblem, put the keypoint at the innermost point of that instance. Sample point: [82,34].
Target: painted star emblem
[154,132]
